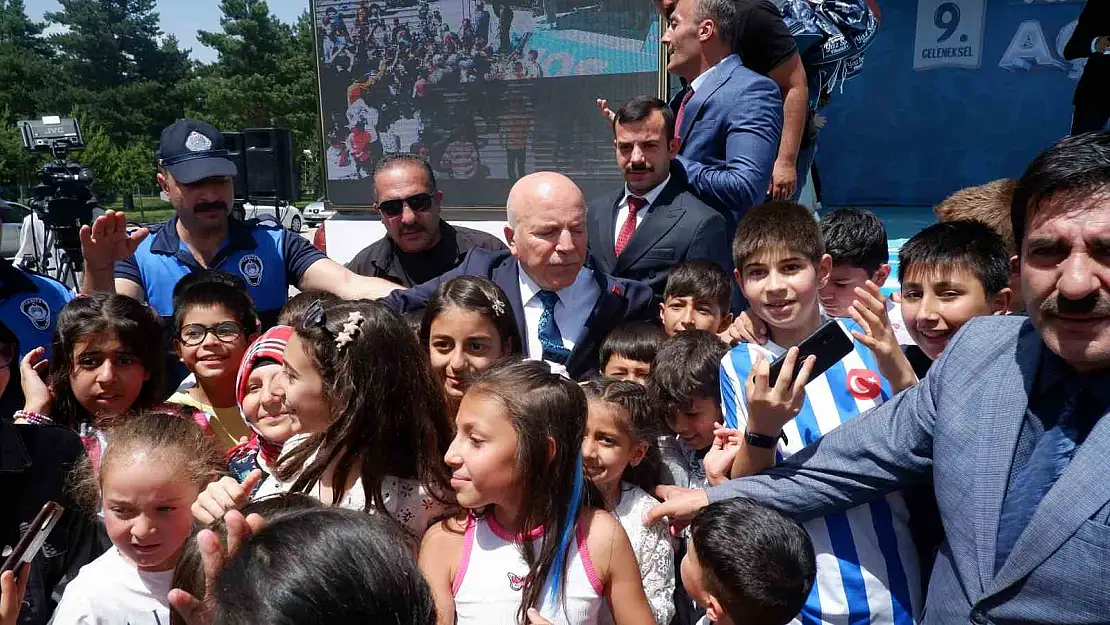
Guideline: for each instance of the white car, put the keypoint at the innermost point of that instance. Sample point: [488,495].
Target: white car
[12,215]
[289,216]
[318,212]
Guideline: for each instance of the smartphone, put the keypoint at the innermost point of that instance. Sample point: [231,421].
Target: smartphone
[829,343]
[31,541]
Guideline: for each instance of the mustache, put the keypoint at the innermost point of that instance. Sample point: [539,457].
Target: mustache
[202,207]
[1094,304]
[412,229]
[639,169]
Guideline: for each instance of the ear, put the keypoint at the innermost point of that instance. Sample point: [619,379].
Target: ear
[881,275]
[706,29]
[662,307]
[726,321]
[638,453]
[824,268]
[1001,303]
[1015,270]
[510,240]
[674,144]
[736,276]
[178,348]
[437,198]
[714,610]
[163,181]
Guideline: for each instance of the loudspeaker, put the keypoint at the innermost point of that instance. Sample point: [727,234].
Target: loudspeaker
[235,144]
[269,160]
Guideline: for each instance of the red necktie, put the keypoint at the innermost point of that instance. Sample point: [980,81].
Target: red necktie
[635,203]
[681,113]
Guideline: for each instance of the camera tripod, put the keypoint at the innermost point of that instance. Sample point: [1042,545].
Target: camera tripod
[49,258]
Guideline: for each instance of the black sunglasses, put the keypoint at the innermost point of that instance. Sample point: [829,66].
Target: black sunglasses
[418,203]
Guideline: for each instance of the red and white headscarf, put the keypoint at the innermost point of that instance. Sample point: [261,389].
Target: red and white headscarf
[269,346]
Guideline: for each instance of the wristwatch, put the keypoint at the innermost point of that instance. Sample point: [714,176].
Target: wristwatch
[763,441]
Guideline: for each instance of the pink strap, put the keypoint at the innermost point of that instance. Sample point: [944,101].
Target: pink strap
[587,562]
[464,561]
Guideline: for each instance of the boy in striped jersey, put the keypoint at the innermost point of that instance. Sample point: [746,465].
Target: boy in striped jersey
[867,567]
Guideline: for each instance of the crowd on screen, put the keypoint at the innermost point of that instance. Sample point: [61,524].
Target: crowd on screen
[686,401]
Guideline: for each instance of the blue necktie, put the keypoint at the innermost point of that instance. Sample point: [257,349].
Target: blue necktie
[1051,455]
[550,337]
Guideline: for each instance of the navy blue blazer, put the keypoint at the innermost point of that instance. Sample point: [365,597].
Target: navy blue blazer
[730,137]
[677,227]
[620,300]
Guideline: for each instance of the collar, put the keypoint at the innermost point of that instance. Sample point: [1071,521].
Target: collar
[14,280]
[650,196]
[703,77]
[529,289]
[13,453]
[240,236]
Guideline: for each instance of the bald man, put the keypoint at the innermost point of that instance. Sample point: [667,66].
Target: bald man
[563,309]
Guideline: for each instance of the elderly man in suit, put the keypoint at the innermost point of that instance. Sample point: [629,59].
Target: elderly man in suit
[641,231]
[1007,427]
[564,309]
[728,118]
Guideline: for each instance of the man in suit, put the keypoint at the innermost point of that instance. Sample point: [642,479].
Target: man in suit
[653,223]
[1007,426]
[1091,40]
[728,118]
[563,309]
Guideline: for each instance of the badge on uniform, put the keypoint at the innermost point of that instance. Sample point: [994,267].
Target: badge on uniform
[251,268]
[38,311]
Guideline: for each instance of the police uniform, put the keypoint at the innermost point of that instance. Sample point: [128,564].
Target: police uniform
[266,256]
[29,306]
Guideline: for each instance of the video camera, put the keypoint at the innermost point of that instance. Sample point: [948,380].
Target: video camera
[62,197]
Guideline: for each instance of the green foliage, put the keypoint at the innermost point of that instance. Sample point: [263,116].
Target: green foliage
[108,63]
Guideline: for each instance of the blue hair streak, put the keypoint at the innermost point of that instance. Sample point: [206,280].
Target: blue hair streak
[558,568]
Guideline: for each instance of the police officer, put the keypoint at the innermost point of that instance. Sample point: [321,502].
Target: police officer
[29,306]
[196,175]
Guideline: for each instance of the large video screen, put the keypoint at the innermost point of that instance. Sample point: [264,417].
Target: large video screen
[487,91]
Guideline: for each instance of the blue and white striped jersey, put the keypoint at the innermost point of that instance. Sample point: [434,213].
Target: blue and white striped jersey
[867,569]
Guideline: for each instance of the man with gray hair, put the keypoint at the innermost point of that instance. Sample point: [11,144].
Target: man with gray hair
[728,118]
[563,309]
[419,245]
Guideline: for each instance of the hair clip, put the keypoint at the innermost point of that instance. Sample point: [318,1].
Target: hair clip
[351,329]
[498,307]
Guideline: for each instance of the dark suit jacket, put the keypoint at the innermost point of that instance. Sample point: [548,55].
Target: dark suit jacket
[677,227]
[1094,21]
[620,300]
[730,137]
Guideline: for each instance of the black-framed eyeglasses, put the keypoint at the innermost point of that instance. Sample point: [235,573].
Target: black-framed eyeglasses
[7,354]
[418,203]
[195,333]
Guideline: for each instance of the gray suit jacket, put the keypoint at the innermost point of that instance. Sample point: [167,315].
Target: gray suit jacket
[959,427]
[677,227]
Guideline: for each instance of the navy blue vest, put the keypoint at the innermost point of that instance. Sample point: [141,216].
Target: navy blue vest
[29,306]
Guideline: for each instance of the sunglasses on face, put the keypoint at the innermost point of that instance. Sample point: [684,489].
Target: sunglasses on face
[417,203]
[195,333]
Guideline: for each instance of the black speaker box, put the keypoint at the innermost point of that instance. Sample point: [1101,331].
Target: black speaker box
[236,147]
[270,166]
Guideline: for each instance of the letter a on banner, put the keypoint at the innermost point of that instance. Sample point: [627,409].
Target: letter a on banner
[949,34]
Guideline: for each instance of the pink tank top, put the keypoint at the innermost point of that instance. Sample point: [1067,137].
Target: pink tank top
[488,584]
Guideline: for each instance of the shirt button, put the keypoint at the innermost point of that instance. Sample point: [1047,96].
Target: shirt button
[979,617]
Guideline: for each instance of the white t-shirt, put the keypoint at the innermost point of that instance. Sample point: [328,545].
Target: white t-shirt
[111,590]
[654,552]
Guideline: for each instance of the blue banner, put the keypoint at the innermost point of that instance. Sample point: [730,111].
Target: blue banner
[952,94]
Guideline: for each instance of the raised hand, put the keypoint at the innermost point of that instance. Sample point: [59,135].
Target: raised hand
[223,496]
[869,311]
[718,460]
[213,558]
[37,397]
[106,241]
[680,505]
[603,106]
[746,328]
[772,406]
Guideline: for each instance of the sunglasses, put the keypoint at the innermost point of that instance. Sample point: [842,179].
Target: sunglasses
[195,333]
[418,203]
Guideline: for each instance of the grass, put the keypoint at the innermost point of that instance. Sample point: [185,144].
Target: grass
[155,210]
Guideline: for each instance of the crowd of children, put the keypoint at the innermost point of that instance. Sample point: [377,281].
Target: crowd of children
[352,465]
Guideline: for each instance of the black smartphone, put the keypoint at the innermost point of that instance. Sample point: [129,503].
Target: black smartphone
[829,343]
[32,540]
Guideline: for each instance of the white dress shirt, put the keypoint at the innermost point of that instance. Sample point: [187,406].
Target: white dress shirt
[696,83]
[622,208]
[576,302]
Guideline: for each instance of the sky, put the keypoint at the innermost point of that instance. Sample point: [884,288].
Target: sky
[184,18]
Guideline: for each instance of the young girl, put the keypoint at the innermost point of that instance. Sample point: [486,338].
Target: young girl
[622,461]
[108,360]
[527,542]
[356,383]
[468,325]
[154,467]
[266,416]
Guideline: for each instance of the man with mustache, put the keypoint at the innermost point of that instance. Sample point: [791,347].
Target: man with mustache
[1007,427]
[419,245]
[196,175]
[643,230]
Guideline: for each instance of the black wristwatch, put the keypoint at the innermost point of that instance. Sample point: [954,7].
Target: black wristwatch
[765,442]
